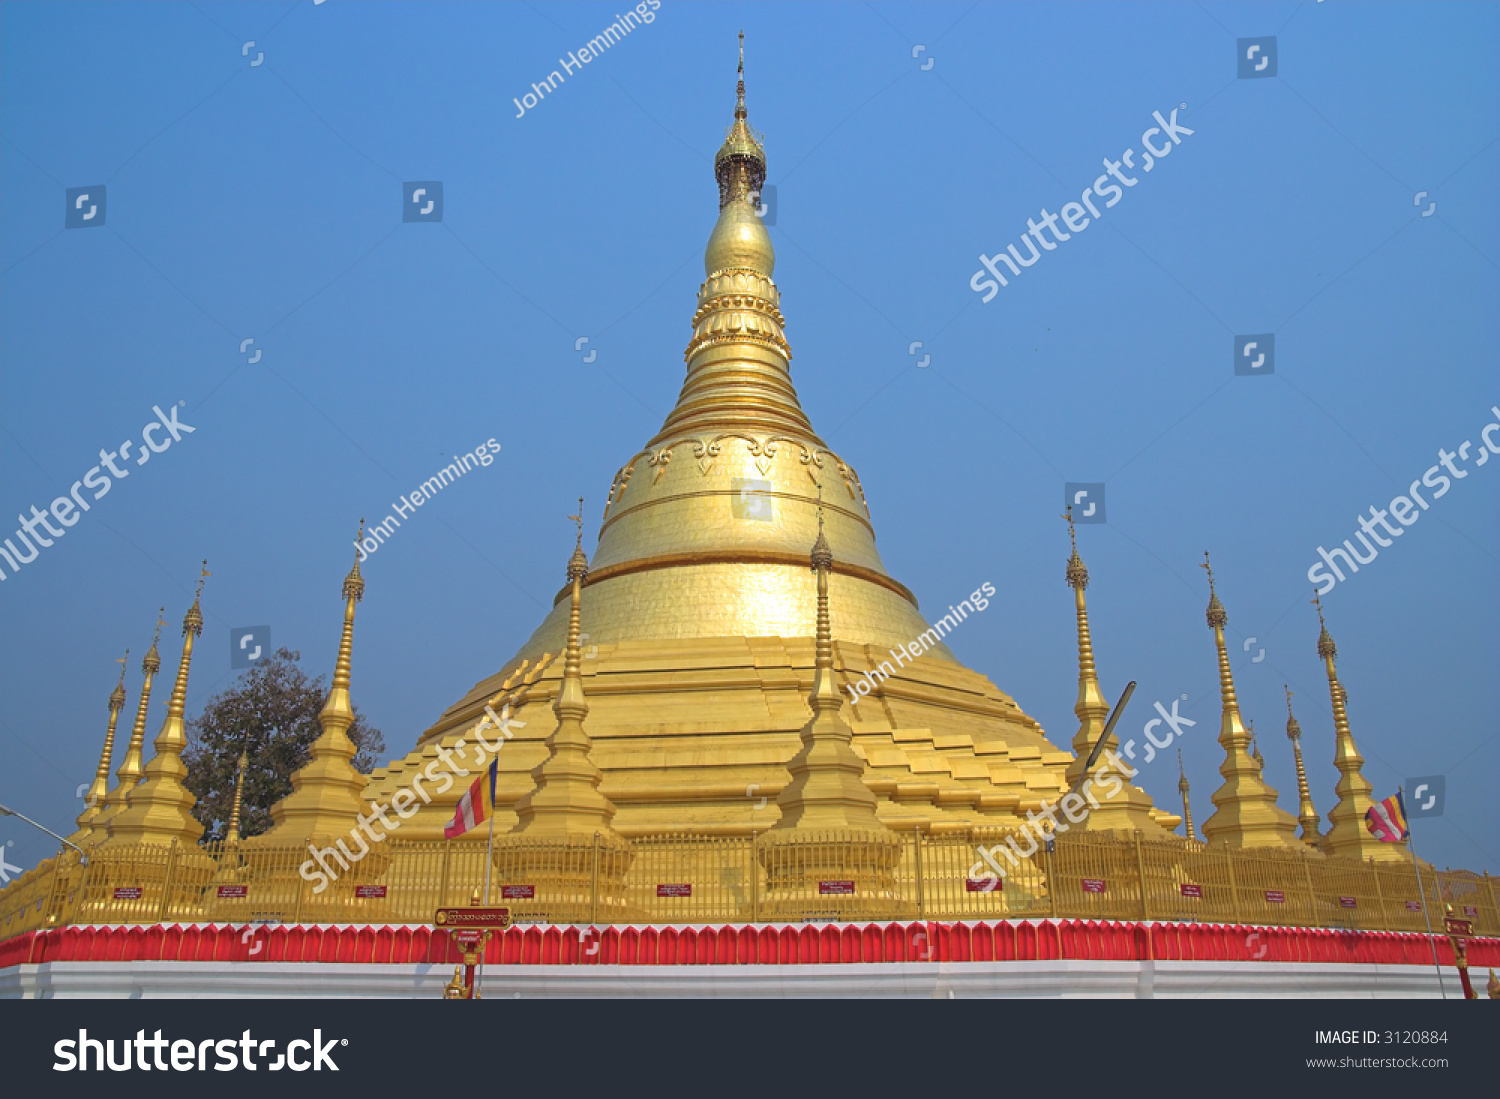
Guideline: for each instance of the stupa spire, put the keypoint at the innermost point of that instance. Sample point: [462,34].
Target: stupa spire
[1187,809]
[1306,814]
[130,769]
[160,808]
[1130,807]
[566,799]
[827,788]
[98,792]
[232,832]
[1347,834]
[325,799]
[1246,813]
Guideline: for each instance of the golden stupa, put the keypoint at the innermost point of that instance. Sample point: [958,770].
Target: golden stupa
[700,609]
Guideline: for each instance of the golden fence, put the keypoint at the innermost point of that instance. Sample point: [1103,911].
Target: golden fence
[690,879]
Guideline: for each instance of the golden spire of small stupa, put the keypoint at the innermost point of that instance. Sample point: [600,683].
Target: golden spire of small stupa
[98,792]
[325,799]
[1260,760]
[160,808]
[566,799]
[1306,814]
[1187,809]
[827,788]
[1246,813]
[1130,807]
[232,833]
[1347,834]
[129,772]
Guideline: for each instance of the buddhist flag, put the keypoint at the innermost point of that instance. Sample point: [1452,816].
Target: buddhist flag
[470,812]
[1387,820]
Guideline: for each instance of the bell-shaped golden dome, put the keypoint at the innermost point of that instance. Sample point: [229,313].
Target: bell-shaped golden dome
[739,241]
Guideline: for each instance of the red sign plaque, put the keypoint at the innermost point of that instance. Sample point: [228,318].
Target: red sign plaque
[675,889]
[1093,885]
[240,891]
[1346,902]
[841,888]
[1275,896]
[369,892]
[471,918]
[518,892]
[128,892]
[982,885]
[1414,906]
[1189,889]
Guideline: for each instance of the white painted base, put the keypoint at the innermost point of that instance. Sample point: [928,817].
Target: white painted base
[911,980]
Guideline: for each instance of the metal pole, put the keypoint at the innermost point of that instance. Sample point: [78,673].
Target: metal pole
[4,812]
[1422,892]
[166,884]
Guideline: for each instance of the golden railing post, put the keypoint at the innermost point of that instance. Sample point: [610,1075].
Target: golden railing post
[1494,905]
[1234,892]
[83,884]
[754,878]
[1049,849]
[594,885]
[1379,896]
[1140,869]
[52,888]
[1312,894]
[443,887]
[166,882]
[921,896]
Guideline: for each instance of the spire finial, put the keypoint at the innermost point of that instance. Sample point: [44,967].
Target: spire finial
[1293,730]
[1182,782]
[578,564]
[822,552]
[1326,647]
[192,622]
[1077,574]
[1217,616]
[354,583]
[739,108]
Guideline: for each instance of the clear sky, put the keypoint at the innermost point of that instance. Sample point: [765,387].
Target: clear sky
[263,201]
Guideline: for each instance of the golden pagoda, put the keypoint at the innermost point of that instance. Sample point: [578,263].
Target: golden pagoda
[1347,834]
[701,609]
[1245,813]
[1187,809]
[159,809]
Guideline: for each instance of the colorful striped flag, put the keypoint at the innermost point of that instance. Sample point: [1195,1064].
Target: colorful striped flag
[470,812]
[1387,820]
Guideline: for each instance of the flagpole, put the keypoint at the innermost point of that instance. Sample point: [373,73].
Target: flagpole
[1422,892]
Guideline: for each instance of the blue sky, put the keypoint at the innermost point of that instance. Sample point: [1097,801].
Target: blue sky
[263,202]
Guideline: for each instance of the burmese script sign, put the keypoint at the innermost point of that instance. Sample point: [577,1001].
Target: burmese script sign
[480,918]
